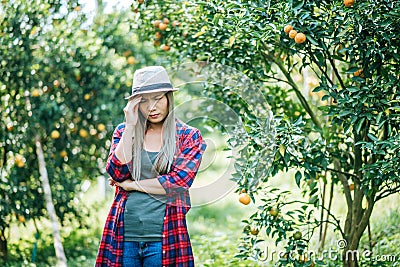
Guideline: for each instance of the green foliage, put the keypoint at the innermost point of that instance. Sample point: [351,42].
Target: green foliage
[62,82]
[348,137]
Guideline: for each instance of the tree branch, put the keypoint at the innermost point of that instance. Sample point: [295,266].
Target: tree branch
[327,210]
[299,95]
[341,172]
[387,193]
[274,78]
[314,60]
[335,70]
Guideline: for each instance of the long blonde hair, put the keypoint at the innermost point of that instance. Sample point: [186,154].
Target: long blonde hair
[166,155]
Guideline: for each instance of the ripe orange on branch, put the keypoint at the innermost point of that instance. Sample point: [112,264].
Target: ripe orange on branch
[359,73]
[288,28]
[300,38]
[254,230]
[348,3]
[292,34]
[162,26]
[19,160]
[274,211]
[351,187]
[83,133]
[101,127]
[156,23]
[55,134]
[244,198]
[298,235]
[166,47]
[35,93]
[130,60]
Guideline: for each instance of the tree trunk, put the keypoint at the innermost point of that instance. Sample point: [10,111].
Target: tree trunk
[61,258]
[3,246]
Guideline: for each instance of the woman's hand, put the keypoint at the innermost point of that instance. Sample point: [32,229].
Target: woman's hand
[127,185]
[131,110]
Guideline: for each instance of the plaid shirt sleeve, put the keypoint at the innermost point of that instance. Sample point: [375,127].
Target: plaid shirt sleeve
[117,170]
[185,165]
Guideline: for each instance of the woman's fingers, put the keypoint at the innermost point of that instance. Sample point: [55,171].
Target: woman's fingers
[131,110]
[112,182]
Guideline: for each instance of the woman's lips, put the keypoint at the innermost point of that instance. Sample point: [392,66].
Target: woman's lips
[154,116]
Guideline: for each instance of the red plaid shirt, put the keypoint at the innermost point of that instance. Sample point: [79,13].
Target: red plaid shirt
[176,247]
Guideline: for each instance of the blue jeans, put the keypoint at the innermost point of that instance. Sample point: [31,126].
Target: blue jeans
[146,254]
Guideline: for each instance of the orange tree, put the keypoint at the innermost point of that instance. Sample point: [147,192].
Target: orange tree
[61,79]
[347,138]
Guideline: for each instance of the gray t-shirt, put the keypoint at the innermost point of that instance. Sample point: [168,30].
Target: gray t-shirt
[144,213]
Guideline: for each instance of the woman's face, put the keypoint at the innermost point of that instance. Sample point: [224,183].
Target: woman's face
[154,107]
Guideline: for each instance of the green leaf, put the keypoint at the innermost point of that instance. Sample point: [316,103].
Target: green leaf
[298,177]
[313,200]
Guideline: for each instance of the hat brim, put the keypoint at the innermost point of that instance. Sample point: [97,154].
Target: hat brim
[152,91]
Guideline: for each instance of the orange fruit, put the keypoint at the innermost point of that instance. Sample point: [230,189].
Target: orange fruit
[56,83]
[274,211]
[156,43]
[20,164]
[351,187]
[156,23]
[127,53]
[288,28]
[140,1]
[10,127]
[292,34]
[130,60]
[254,230]
[101,127]
[158,35]
[63,153]
[55,134]
[19,160]
[175,23]
[244,198]
[300,38]
[21,218]
[162,26]
[166,20]
[77,8]
[359,73]
[83,133]
[35,93]
[166,47]
[86,96]
[298,235]
[348,3]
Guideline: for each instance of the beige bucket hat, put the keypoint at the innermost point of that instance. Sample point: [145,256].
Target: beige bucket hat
[150,80]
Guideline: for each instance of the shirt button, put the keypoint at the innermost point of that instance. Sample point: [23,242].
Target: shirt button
[165,218]
[163,251]
[163,235]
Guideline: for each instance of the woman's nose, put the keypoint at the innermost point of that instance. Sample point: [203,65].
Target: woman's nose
[152,105]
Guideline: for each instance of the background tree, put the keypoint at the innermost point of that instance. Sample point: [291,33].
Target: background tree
[62,76]
[342,132]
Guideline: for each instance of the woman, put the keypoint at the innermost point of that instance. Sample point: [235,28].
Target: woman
[153,161]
